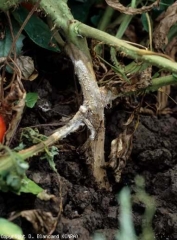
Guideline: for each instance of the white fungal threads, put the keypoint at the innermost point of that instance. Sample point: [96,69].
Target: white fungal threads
[93,134]
[82,71]
[89,85]
[83,76]
[80,64]
[83,109]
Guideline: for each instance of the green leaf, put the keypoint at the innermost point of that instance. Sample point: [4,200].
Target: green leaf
[96,18]
[99,236]
[49,155]
[172,32]
[36,29]
[80,8]
[127,230]
[144,22]
[14,182]
[31,99]
[20,147]
[174,75]
[6,43]
[164,4]
[156,75]
[10,230]
[12,174]
[28,186]
[32,135]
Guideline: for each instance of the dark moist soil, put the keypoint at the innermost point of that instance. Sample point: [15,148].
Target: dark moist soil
[85,208]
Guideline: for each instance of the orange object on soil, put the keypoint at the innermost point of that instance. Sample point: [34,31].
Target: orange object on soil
[2,128]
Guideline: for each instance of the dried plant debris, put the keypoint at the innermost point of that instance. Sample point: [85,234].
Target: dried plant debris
[121,149]
[129,10]
[13,105]
[171,48]
[166,21]
[13,101]
[145,78]
[42,221]
[26,66]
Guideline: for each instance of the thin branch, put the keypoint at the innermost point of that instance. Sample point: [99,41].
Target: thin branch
[62,17]
[72,126]
[156,59]
[130,10]
[22,26]
[156,83]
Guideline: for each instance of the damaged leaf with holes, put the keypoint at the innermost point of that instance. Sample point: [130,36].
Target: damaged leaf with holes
[49,156]
[11,177]
[32,136]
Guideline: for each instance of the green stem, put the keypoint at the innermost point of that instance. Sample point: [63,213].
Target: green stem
[126,20]
[6,162]
[75,34]
[105,20]
[150,30]
[122,46]
[61,133]
[160,82]
[7,4]
[121,30]
[62,17]
[134,67]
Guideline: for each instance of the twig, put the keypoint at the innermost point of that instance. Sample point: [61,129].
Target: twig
[23,25]
[130,10]
[15,39]
[14,49]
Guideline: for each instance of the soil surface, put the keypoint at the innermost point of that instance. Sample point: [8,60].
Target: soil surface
[85,208]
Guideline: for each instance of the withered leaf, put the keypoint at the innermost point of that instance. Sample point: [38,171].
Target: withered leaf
[14,103]
[42,221]
[121,148]
[129,10]
[26,66]
[45,196]
[161,31]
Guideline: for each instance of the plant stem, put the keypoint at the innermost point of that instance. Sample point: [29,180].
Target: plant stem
[160,82]
[62,17]
[91,113]
[59,134]
[129,50]
[105,20]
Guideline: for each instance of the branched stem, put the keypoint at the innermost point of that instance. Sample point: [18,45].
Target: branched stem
[59,134]
[91,113]
[62,17]
[153,58]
